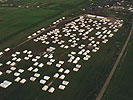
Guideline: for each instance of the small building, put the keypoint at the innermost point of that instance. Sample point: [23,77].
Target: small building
[5,84]
[45,88]
[75,69]
[23,81]
[1,73]
[32,79]
[36,75]
[35,70]
[61,87]
[65,82]
[13,68]
[20,70]
[61,70]
[56,75]
[8,71]
[16,74]
[17,79]
[46,77]
[62,77]
[51,90]
[42,81]
[30,68]
[67,71]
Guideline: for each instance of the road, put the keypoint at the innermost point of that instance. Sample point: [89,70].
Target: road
[101,93]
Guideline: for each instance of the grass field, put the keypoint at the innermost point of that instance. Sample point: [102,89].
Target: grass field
[84,85]
[17,23]
[120,87]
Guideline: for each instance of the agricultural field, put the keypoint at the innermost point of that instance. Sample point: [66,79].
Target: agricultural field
[57,50]
[16,23]
[120,87]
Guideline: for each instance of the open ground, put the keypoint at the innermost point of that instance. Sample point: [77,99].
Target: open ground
[65,61]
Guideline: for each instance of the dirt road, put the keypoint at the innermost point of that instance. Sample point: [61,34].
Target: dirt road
[101,93]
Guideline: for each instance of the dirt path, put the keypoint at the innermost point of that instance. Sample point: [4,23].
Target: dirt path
[101,93]
[50,27]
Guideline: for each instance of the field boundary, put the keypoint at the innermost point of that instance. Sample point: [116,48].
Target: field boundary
[101,93]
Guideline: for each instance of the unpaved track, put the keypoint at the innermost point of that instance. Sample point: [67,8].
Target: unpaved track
[101,93]
[50,27]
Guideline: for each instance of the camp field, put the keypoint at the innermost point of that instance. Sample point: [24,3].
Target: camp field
[17,23]
[120,87]
[83,85]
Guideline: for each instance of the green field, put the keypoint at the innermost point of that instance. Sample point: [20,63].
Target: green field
[120,87]
[17,23]
[84,85]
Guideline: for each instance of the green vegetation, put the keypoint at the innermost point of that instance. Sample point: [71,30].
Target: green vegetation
[120,87]
[14,19]
[17,23]
[84,84]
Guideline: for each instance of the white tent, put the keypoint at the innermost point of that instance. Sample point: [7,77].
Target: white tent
[13,64]
[42,81]
[33,78]
[35,70]
[26,58]
[75,69]
[5,84]
[8,71]
[23,81]
[13,68]
[56,75]
[45,88]
[20,70]
[36,63]
[65,82]
[78,66]
[46,77]
[16,74]
[17,79]
[36,75]
[41,65]
[62,87]
[1,73]
[18,60]
[30,68]
[67,71]
[7,49]
[51,90]
[8,62]
[1,53]
[62,77]
[61,70]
